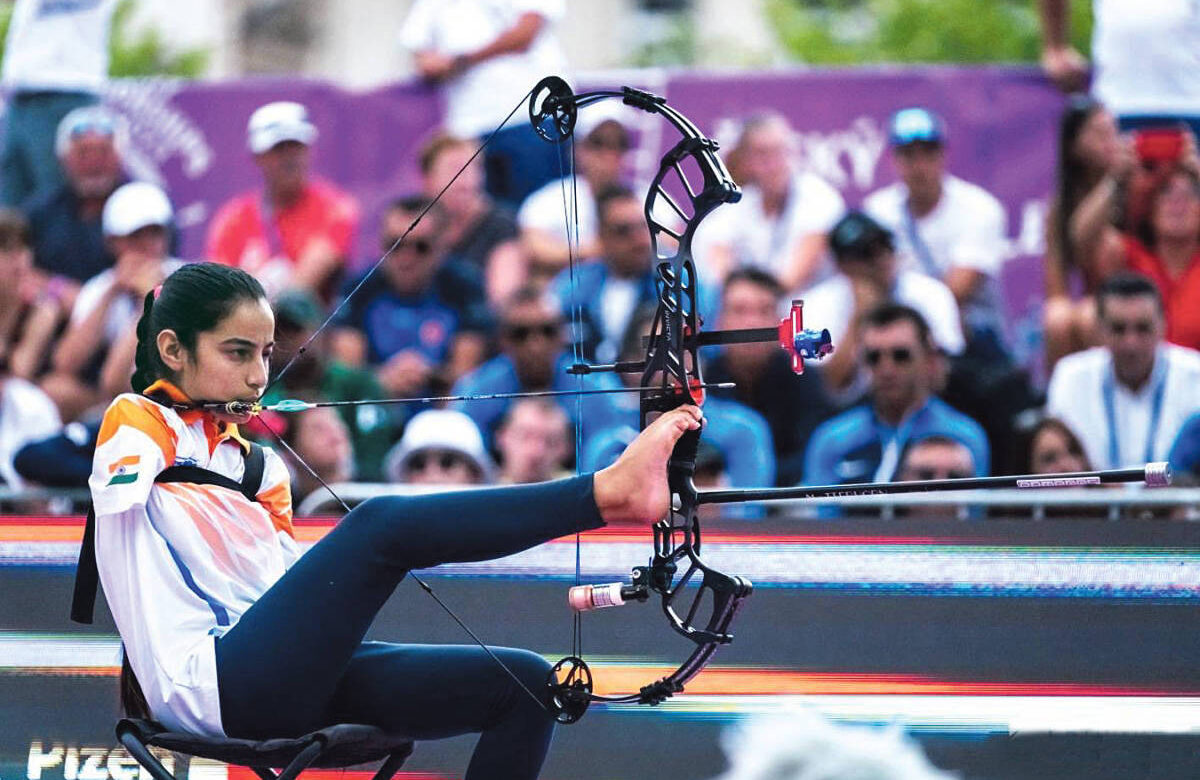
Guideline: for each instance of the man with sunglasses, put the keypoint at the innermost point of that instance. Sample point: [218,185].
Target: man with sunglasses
[1127,399]
[866,443]
[611,288]
[420,322]
[533,357]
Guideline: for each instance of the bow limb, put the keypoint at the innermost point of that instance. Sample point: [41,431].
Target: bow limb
[698,601]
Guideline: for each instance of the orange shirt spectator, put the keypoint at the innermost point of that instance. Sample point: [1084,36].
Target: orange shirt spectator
[271,245]
[297,231]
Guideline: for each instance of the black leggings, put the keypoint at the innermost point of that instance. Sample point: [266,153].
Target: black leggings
[296,661]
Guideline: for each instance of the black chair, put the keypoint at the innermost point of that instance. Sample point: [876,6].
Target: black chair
[332,747]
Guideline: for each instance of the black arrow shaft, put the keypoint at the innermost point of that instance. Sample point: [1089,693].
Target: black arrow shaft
[1076,479]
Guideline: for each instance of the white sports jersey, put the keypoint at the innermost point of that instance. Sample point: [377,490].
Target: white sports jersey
[180,563]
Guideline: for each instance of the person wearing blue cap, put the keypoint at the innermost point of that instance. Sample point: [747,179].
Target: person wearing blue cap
[945,227]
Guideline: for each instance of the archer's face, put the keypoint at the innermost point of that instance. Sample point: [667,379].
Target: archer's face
[230,362]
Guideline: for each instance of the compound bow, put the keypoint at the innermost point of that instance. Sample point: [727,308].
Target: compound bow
[699,602]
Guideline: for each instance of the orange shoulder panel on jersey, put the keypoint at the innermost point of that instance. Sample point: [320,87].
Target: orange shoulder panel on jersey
[145,416]
[278,502]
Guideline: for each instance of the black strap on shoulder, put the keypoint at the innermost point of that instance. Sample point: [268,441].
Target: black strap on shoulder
[87,578]
[83,600]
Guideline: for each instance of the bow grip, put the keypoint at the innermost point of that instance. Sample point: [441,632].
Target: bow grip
[682,466]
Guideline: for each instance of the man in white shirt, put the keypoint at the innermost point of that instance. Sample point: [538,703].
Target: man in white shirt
[781,222]
[1127,400]
[608,292]
[944,227]
[868,275]
[488,54]
[55,61]
[1146,58]
[546,228]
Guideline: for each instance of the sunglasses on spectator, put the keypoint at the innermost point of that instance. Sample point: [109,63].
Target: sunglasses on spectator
[899,355]
[444,459]
[624,229]
[522,333]
[928,474]
[612,144]
[96,125]
[420,246]
[1142,328]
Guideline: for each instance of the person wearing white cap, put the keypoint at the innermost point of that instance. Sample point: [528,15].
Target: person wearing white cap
[298,231]
[94,359]
[440,447]
[601,157]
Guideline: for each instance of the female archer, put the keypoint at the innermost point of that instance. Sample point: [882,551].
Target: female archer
[230,630]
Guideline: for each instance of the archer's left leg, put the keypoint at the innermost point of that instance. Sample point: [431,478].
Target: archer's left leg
[439,691]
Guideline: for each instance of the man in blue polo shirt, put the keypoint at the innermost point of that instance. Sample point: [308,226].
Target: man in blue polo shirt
[867,442]
[421,322]
[534,357]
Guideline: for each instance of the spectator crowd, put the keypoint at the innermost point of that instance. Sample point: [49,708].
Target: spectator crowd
[483,287]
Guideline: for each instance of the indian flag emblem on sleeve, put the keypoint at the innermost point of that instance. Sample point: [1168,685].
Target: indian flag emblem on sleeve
[124,471]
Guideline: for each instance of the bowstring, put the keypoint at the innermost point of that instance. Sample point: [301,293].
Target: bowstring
[337,310]
[571,217]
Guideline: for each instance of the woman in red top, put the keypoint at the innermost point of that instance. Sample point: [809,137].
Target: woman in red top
[1165,246]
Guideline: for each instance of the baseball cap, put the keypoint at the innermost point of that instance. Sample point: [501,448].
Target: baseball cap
[87,120]
[857,235]
[607,113]
[912,125]
[439,429]
[275,123]
[134,206]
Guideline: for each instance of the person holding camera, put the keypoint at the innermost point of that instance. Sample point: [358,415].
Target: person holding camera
[1160,228]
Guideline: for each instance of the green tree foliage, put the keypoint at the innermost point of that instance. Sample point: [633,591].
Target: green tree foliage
[844,32]
[134,52]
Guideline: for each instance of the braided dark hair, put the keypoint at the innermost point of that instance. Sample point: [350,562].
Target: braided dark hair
[192,300]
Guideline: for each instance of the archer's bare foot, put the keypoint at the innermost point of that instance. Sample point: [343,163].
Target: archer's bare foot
[634,489]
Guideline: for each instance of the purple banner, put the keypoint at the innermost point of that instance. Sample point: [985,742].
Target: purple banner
[1001,123]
